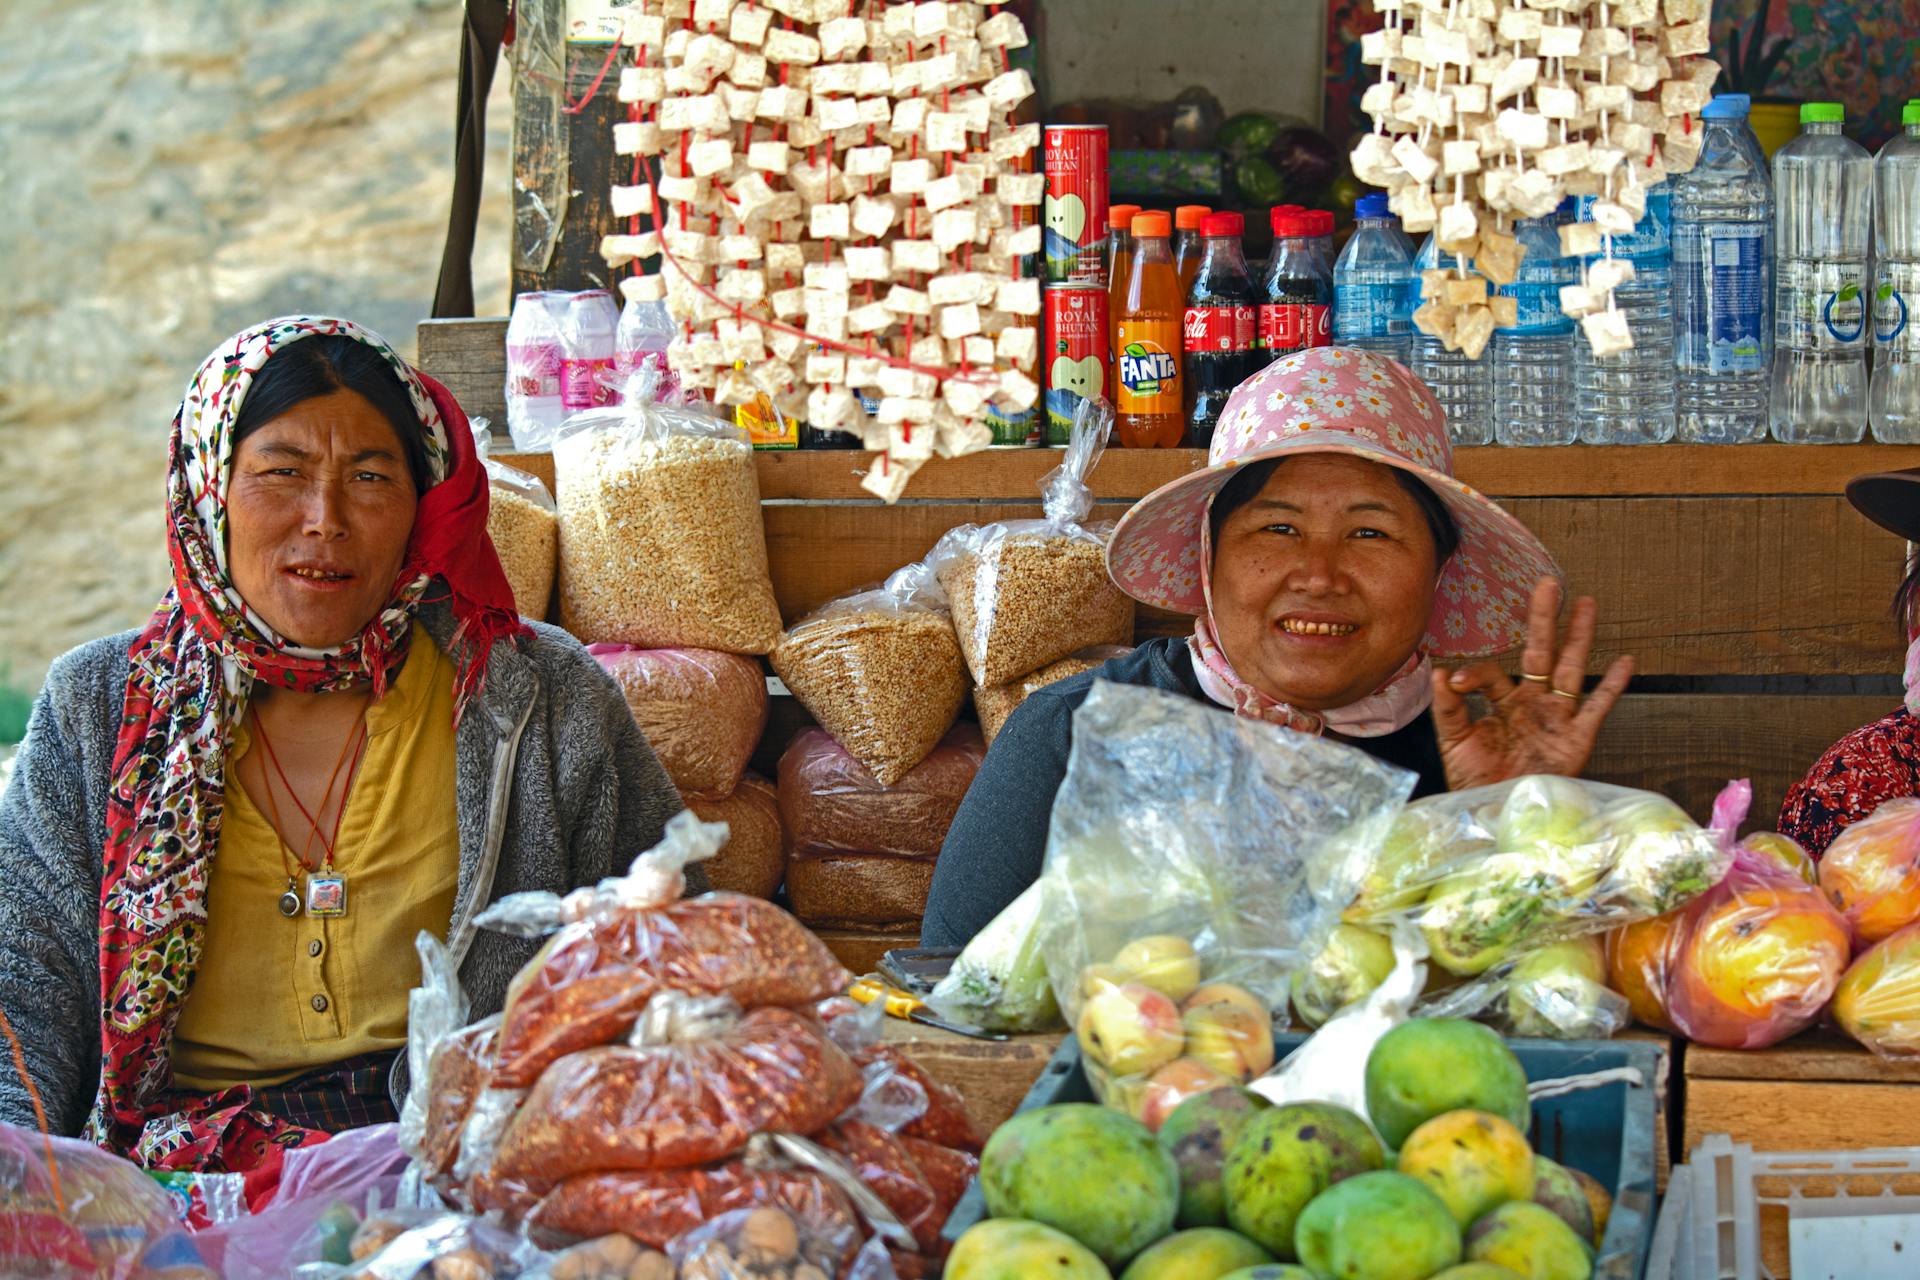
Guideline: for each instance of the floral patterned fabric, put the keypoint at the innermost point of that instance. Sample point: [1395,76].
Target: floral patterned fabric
[192,670]
[1341,400]
[1870,766]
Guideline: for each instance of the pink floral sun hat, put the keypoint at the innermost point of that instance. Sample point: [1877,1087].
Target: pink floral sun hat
[1341,400]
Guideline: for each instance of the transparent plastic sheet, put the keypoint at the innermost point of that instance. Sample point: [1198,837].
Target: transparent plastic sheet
[640,342]
[1195,858]
[1027,593]
[749,1244]
[1327,1067]
[998,982]
[1555,992]
[523,527]
[1878,1000]
[995,703]
[697,1083]
[861,854]
[703,712]
[1871,871]
[1492,873]
[433,1246]
[754,861]
[325,1193]
[880,670]
[629,938]
[657,1207]
[661,539]
[110,1222]
[436,1011]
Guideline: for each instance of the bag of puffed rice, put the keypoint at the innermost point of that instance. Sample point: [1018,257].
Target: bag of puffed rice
[1025,593]
[995,703]
[880,670]
[661,544]
[703,711]
[522,526]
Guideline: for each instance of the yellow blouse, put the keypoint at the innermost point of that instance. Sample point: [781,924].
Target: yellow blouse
[275,997]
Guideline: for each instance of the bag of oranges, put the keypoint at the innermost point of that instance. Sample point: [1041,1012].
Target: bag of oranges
[1871,872]
[1878,1002]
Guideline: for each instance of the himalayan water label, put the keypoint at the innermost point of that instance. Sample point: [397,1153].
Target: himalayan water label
[1894,295]
[1823,305]
[1373,310]
[1720,297]
[1536,296]
[1651,236]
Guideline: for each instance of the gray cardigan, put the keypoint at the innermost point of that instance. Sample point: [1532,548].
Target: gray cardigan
[556,788]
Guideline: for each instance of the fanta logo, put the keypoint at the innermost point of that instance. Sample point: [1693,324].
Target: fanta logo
[1146,369]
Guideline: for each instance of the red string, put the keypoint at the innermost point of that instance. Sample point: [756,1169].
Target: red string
[574,109]
[39,1110]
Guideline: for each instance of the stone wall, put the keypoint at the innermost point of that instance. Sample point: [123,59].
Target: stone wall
[173,172]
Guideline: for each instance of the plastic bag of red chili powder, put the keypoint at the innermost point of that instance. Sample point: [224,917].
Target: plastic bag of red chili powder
[699,1081]
[658,1206]
[631,937]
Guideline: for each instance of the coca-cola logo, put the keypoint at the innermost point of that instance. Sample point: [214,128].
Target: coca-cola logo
[1196,326]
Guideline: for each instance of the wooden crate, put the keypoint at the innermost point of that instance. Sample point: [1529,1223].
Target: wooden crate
[1816,1092]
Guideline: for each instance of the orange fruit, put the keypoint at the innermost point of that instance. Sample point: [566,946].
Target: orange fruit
[1878,1001]
[1758,964]
[1639,958]
[1871,872]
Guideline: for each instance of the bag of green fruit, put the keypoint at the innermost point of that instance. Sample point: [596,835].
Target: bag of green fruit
[1194,862]
[1507,881]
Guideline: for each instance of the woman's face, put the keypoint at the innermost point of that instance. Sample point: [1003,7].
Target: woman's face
[1323,582]
[318,515]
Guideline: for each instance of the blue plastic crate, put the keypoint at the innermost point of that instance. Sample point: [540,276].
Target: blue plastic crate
[1606,1132]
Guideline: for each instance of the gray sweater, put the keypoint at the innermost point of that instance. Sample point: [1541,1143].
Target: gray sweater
[556,788]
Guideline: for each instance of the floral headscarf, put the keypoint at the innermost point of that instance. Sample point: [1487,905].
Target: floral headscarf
[191,672]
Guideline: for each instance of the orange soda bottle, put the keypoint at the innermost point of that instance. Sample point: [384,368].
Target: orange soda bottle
[1119,270]
[1188,244]
[1147,342]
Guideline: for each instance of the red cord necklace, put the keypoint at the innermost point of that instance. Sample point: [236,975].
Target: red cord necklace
[327,891]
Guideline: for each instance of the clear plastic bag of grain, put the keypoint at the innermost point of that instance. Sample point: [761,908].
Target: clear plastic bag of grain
[754,859]
[996,703]
[880,670]
[703,711]
[522,525]
[661,544]
[1025,593]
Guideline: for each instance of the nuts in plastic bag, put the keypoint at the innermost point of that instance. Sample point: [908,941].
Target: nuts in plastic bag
[880,670]
[996,703]
[612,1257]
[423,1245]
[661,541]
[1030,592]
[1197,859]
[631,937]
[702,711]
[523,526]
[754,861]
[700,1081]
[1871,871]
[768,1243]
[659,1206]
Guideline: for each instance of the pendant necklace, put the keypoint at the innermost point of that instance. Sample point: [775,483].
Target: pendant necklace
[326,895]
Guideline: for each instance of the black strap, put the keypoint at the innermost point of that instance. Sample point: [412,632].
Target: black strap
[485,31]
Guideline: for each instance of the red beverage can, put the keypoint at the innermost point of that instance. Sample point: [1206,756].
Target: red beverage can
[1074,214]
[1074,352]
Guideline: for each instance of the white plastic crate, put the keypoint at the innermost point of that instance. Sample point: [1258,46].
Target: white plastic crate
[1855,1214]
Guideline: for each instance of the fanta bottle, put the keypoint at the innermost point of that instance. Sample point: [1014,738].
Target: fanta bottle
[1146,342]
[1119,271]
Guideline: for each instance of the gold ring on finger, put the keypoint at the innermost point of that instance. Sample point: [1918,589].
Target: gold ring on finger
[1528,675]
[1564,694]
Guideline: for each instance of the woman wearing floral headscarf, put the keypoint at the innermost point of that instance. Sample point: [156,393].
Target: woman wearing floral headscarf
[1331,558]
[224,833]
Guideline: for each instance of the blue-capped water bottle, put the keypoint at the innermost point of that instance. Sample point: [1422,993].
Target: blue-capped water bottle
[1822,187]
[1370,283]
[1893,398]
[1463,386]
[1627,398]
[1533,357]
[1722,282]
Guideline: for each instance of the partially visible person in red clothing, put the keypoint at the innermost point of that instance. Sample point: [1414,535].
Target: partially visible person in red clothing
[1880,761]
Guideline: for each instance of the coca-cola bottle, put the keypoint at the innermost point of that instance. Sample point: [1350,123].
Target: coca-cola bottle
[1298,296]
[1221,326]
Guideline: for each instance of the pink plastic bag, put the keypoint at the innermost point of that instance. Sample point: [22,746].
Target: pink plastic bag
[360,1169]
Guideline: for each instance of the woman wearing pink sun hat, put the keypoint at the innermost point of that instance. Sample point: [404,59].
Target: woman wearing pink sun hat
[1330,558]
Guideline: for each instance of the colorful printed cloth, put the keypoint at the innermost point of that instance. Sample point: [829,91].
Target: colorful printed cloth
[1341,400]
[192,670]
[1870,766]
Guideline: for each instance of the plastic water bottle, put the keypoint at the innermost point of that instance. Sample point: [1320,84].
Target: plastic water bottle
[1370,283]
[1822,185]
[1628,398]
[1893,401]
[1533,358]
[1722,282]
[1464,387]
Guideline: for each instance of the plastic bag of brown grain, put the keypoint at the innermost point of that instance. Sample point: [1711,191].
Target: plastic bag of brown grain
[1025,593]
[523,527]
[754,860]
[661,543]
[880,670]
[995,704]
[703,711]
[858,853]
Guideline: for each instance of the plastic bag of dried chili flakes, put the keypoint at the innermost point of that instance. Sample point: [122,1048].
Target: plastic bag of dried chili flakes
[617,945]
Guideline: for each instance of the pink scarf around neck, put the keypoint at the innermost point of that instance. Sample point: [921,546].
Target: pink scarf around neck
[1388,709]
